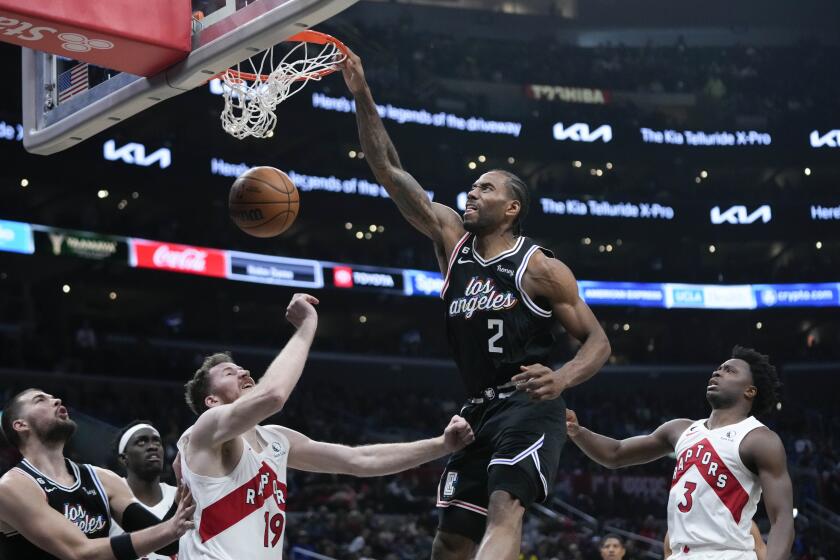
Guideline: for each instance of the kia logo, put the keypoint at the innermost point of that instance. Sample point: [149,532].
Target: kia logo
[580,132]
[738,215]
[135,154]
[830,139]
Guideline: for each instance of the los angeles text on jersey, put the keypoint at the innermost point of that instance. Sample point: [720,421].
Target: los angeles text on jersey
[717,475]
[78,515]
[481,295]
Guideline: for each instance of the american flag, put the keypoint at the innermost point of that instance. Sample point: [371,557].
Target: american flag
[72,82]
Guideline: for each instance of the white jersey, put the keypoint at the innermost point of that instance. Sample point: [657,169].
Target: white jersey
[158,510]
[713,494]
[243,514]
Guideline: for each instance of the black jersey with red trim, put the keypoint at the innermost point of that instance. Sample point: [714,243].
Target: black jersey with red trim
[84,503]
[493,326]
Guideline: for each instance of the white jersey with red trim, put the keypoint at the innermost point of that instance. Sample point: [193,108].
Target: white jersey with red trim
[159,510]
[713,494]
[243,514]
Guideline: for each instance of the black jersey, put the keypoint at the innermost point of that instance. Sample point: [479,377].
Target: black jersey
[85,504]
[492,325]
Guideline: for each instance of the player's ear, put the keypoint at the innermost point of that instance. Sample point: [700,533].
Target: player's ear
[513,208]
[121,459]
[211,400]
[750,392]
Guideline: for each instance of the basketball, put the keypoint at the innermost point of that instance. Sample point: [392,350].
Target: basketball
[263,202]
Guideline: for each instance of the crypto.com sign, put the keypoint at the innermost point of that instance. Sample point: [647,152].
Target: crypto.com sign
[738,215]
[135,154]
[581,132]
[830,139]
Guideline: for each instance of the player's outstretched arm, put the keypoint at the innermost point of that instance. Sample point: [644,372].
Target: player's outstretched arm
[763,452]
[23,507]
[614,453]
[375,460]
[222,423]
[438,222]
[549,278]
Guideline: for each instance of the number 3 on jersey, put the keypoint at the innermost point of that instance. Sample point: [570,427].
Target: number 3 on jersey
[690,487]
[499,326]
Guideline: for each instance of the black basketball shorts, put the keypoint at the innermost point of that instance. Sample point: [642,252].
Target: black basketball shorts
[516,449]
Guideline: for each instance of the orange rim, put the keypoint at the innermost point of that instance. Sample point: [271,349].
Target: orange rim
[308,36]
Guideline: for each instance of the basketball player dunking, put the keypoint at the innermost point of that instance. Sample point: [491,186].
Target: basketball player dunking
[236,469]
[723,464]
[140,452]
[503,296]
[51,507]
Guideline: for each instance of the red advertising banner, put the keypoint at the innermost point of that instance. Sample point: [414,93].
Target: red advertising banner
[178,258]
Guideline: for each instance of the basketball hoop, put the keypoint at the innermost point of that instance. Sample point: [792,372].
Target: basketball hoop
[251,97]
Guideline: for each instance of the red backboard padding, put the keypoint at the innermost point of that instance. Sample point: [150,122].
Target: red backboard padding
[141,37]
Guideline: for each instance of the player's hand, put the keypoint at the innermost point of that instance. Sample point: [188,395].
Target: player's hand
[354,74]
[572,426]
[182,521]
[301,310]
[540,382]
[458,434]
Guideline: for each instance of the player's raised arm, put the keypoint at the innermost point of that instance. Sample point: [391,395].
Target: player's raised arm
[436,221]
[614,454]
[375,460]
[763,452]
[23,507]
[224,422]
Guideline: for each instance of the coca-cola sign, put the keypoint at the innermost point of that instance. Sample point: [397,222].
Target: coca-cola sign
[178,258]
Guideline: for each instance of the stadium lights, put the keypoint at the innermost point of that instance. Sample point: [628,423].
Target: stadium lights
[697,180]
[609,165]
[362,319]
[626,327]
[471,165]
[102,193]
[112,296]
[380,229]
[704,174]
[712,248]
[135,195]
[66,288]
[270,134]
[808,171]
[482,159]
[609,248]
[372,228]
[601,248]
[348,225]
[122,204]
[24,182]
[819,244]
[586,241]
[577,163]
[236,309]
[599,172]
[351,154]
[511,160]
[361,155]
[359,235]
[758,325]
[368,236]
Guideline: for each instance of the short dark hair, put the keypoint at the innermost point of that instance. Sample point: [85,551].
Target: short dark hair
[609,536]
[520,192]
[197,388]
[764,377]
[11,412]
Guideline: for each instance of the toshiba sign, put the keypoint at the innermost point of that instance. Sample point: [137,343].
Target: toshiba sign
[178,258]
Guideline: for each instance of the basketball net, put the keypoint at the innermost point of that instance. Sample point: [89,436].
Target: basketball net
[251,97]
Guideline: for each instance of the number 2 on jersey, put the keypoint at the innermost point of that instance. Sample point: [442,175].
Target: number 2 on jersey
[275,525]
[499,326]
[690,487]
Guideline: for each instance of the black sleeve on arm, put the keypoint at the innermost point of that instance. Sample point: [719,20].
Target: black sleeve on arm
[136,517]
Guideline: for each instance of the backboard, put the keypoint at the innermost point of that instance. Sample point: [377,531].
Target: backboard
[65,102]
